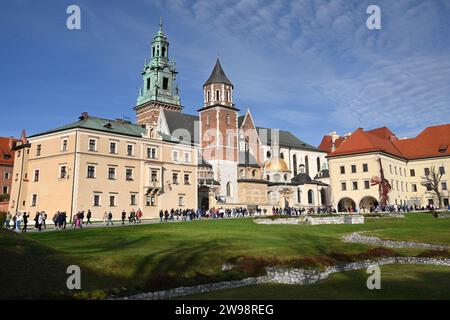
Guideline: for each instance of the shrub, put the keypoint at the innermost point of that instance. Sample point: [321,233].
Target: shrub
[2,218]
[434,254]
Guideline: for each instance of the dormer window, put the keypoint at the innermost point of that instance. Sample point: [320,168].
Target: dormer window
[443,148]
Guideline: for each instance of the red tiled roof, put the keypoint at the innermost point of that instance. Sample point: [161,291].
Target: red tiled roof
[326,144]
[6,155]
[431,142]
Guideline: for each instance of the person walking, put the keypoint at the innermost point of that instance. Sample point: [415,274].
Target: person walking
[8,219]
[161,216]
[124,215]
[55,219]
[18,221]
[44,219]
[36,220]
[40,221]
[139,216]
[25,221]
[110,218]
[88,217]
[105,217]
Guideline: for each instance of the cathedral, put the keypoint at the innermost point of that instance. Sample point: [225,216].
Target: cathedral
[239,163]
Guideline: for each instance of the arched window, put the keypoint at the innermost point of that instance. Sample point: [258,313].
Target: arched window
[163,51]
[282,155]
[229,191]
[307,165]
[269,154]
[254,173]
[318,164]
[153,52]
[267,177]
[310,197]
[285,177]
[298,195]
[208,96]
[294,164]
[228,96]
[217,95]
[323,196]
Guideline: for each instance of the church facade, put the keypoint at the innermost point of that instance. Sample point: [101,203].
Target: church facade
[168,158]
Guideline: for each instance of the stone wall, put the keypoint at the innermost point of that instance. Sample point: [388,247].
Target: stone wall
[341,219]
[285,276]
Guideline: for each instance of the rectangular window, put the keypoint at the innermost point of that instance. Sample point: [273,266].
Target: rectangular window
[96,200]
[412,172]
[187,157]
[148,84]
[165,83]
[342,170]
[38,150]
[36,176]
[34,200]
[365,167]
[427,171]
[154,176]
[112,201]
[112,173]
[355,185]
[343,186]
[181,201]
[395,170]
[414,187]
[186,179]
[91,172]
[444,185]
[150,200]
[175,178]
[441,170]
[64,145]
[367,184]
[113,147]
[175,155]
[353,168]
[151,153]
[130,150]
[5,190]
[7,175]
[63,172]
[133,200]
[129,174]
[92,144]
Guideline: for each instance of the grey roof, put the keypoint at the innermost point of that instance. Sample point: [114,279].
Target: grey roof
[100,124]
[325,173]
[303,178]
[177,120]
[287,139]
[203,163]
[218,75]
[240,121]
[247,160]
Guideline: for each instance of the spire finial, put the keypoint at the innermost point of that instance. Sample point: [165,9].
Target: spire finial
[160,23]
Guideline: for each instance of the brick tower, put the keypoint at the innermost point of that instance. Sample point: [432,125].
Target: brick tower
[218,131]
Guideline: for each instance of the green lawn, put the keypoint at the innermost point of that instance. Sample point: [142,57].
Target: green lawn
[149,257]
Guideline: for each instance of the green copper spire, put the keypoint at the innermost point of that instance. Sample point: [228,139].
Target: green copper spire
[159,74]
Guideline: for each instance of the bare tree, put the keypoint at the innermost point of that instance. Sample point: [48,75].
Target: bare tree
[431,181]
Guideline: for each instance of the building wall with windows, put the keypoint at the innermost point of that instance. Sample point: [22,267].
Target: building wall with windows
[81,169]
[405,163]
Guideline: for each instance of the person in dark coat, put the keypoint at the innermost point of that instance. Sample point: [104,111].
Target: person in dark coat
[88,217]
[25,221]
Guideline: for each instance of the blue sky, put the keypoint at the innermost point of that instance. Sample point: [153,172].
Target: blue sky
[308,66]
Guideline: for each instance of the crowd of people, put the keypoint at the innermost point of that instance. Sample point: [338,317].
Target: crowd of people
[19,222]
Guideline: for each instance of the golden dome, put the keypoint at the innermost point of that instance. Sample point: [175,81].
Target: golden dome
[276,164]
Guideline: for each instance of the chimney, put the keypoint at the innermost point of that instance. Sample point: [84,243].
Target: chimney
[84,116]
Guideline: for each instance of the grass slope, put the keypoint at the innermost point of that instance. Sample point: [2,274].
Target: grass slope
[149,257]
